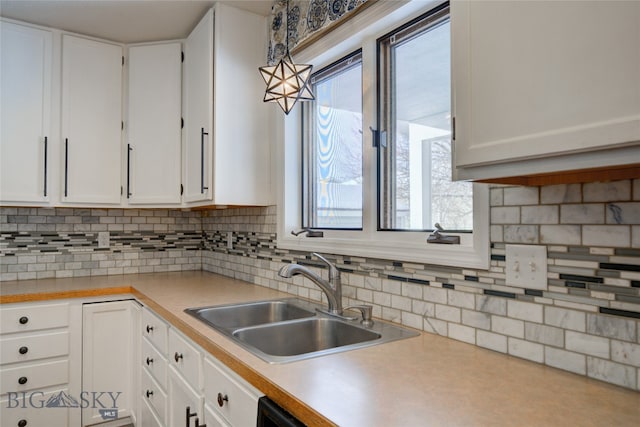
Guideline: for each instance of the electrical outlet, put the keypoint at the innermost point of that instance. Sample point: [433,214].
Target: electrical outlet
[527,266]
[229,239]
[103,239]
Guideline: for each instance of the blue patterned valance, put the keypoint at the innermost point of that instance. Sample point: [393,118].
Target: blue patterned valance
[306,17]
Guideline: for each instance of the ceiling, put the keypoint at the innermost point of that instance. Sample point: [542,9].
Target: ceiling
[125,21]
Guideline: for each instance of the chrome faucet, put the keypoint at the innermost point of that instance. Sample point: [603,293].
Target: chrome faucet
[332,288]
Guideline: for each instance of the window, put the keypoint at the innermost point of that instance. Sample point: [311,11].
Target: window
[414,108]
[332,148]
[390,71]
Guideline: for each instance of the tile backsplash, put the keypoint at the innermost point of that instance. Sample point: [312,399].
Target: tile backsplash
[586,322]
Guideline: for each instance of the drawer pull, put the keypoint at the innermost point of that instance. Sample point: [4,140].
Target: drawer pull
[149,393]
[149,360]
[22,380]
[23,350]
[177,356]
[222,399]
[149,329]
[24,320]
[22,423]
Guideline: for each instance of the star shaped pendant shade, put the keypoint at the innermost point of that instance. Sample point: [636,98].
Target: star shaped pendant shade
[287,83]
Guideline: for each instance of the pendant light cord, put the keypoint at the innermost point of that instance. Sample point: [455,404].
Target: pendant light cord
[286,31]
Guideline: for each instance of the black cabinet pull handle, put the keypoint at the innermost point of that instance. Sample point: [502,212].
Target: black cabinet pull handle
[177,356]
[22,380]
[189,415]
[149,360]
[222,399]
[23,350]
[22,423]
[46,144]
[149,393]
[129,150]
[66,167]
[149,328]
[24,320]
[202,186]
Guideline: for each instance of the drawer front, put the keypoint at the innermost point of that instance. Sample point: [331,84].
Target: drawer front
[230,395]
[155,330]
[34,376]
[155,363]
[32,409]
[27,317]
[33,347]
[186,359]
[153,394]
[212,418]
[147,417]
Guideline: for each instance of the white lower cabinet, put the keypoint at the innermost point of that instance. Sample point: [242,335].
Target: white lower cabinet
[35,354]
[109,350]
[183,385]
[186,404]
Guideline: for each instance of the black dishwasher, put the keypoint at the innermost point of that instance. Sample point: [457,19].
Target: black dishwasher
[271,415]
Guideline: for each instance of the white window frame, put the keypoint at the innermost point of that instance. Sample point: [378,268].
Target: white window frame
[362,32]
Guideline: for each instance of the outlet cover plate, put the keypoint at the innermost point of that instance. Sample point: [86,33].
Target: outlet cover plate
[527,266]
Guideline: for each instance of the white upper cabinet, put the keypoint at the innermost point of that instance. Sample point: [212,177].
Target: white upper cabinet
[226,144]
[544,87]
[153,128]
[25,109]
[198,111]
[91,121]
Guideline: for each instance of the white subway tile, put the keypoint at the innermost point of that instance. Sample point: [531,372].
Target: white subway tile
[606,235]
[539,214]
[462,333]
[582,214]
[587,344]
[572,362]
[526,350]
[524,311]
[607,191]
[435,326]
[626,353]
[560,234]
[623,213]
[507,326]
[476,319]
[611,327]
[491,341]
[433,294]
[450,314]
[566,319]
[493,305]
[521,196]
[496,196]
[521,234]
[505,215]
[611,372]
[460,299]
[548,335]
[562,193]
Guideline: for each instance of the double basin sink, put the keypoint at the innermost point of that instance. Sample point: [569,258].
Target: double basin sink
[291,329]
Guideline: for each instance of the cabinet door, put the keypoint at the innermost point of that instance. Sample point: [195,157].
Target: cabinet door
[154,129]
[538,79]
[109,359]
[186,405]
[91,120]
[198,111]
[242,150]
[25,108]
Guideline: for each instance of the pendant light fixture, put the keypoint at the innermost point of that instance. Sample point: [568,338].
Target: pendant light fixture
[287,82]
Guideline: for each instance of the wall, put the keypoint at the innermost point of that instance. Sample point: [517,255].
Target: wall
[37,243]
[586,322]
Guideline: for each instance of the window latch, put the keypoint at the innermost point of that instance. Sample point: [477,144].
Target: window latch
[310,232]
[438,237]
[379,138]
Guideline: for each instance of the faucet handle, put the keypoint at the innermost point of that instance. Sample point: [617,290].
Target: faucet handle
[333,270]
[366,311]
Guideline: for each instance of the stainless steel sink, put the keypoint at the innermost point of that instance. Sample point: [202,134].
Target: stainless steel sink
[303,336]
[288,330]
[234,316]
